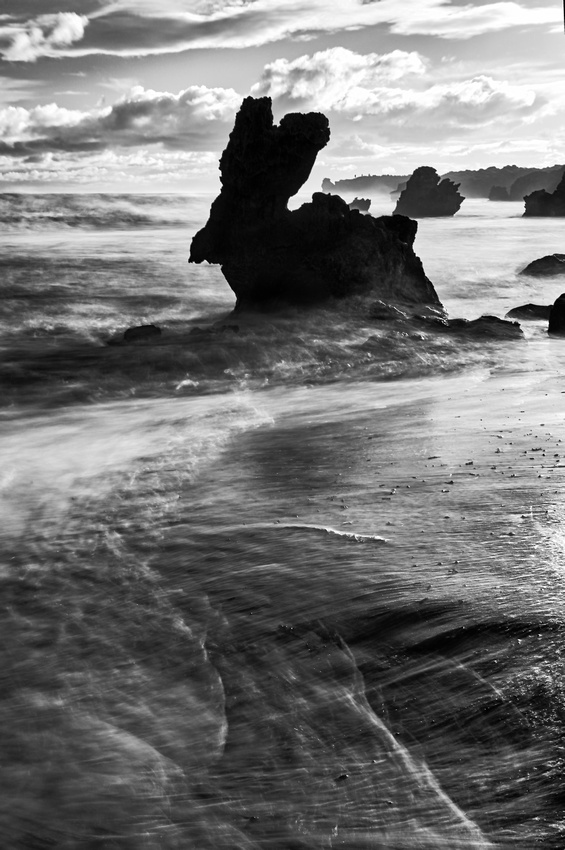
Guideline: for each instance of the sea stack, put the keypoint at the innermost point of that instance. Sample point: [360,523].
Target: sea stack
[542,203]
[426,195]
[270,254]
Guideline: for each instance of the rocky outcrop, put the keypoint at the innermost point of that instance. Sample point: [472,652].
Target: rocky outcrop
[270,254]
[426,195]
[484,327]
[542,203]
[361,204]
[548,266]
[499,193]
[556,325]
[530,312]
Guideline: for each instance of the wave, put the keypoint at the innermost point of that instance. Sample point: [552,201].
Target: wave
[321,348]
[92,211]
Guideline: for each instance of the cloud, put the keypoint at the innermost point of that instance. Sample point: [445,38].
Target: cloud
[13,90]
[463,22]
[326,78]
[143,27]
[47,35]
[389,95]
[394,87]
[465,104]
[355,147]
[172,169]
[194,119]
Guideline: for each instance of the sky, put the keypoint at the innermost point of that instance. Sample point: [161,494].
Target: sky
[140,95]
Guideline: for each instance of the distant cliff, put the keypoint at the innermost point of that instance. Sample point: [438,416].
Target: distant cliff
[547,179]
[499,193]
[542,203]
[385,183]
[518,180]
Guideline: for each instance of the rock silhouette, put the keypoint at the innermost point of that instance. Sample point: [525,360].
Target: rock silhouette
[530,312]
[426,195]
[556,325]
[542,203]
[270,254]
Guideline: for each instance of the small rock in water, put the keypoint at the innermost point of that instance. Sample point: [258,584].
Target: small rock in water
[557,317]
[551,264]
[141,332]
[529,312]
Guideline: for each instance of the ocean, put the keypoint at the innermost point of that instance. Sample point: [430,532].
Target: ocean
[275,581]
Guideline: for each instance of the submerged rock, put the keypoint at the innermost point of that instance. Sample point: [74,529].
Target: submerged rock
[542,203]
[551,264]
[426,195]
[141,332]
[361,204]
[530,312]
[557,317]
[270,254]
[484,326]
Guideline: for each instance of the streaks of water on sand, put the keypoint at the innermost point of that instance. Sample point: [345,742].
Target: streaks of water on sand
[323,529]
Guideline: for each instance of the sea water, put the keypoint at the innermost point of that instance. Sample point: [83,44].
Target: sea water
[291,580]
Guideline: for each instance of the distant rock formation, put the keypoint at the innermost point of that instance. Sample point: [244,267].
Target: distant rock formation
[530,312]
[556,325]
[517,179]
[426,195]
[361,204]
[270,254]
[542,203]
[499,193]
[548,266]
[373,183]
[535,179]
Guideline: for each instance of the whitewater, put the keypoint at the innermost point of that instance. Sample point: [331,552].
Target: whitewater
[276,581]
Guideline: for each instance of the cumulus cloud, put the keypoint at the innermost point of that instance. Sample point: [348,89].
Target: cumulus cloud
[193,119]
[46,35]
[395,87]
[143,27]
[327,77]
